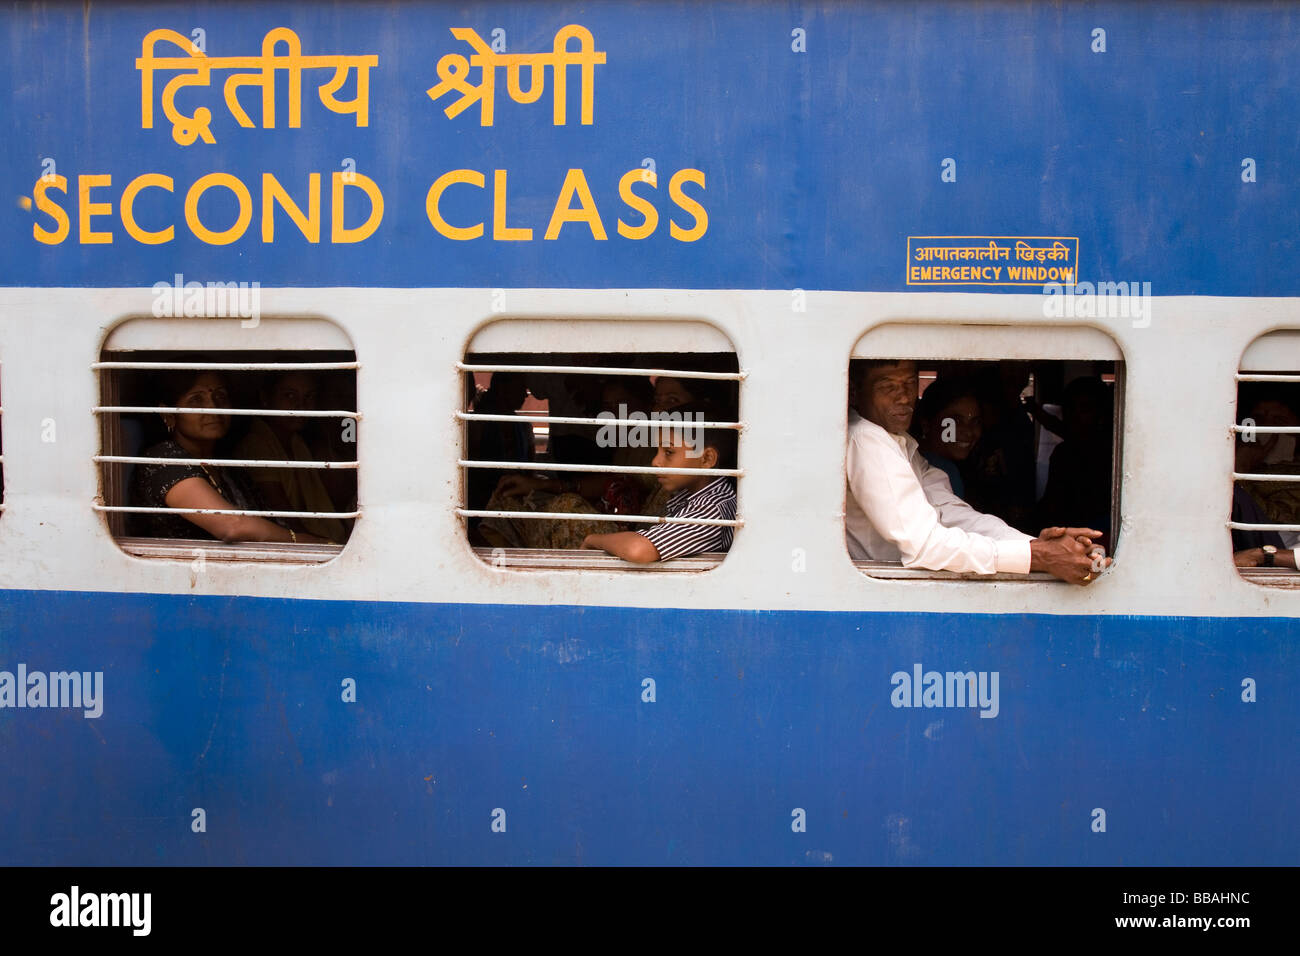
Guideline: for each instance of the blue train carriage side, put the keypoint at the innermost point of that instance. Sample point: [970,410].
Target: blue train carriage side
[748,196]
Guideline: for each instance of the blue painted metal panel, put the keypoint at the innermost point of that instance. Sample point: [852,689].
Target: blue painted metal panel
[234,705]
[817,165]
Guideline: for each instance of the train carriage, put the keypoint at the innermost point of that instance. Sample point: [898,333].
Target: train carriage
[752,195]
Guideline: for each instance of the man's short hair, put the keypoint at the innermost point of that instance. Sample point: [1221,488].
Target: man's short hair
[858,368]
[721,440]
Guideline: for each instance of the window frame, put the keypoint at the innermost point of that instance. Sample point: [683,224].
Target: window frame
[1269,351]
[923,342]
[127,348]
[536,338]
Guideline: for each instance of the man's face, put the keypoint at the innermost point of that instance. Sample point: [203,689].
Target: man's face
[887,396]
[673,452]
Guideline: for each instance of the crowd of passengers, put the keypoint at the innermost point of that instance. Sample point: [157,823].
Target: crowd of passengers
[1258,452]
[586,505]
[269,438]
[944,480]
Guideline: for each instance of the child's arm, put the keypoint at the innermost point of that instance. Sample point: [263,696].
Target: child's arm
[627,545]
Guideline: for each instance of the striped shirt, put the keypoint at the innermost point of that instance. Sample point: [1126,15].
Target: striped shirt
[717,499]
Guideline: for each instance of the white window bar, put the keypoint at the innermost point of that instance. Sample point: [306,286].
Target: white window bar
[1239,476]
[270,412]
[659,422]
[1244,526]
[231,366]
[141,510]
[531,466]
[1263,377]
[225,462]
[604,370]
[568,516]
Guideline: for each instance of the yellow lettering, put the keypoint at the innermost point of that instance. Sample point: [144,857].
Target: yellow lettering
[641,205]
[499,228]
[192,209]
[52,209]
[88,209]
[133,189]
[688,205]
[575,182]
[273,192]
[471,178]
[338,232]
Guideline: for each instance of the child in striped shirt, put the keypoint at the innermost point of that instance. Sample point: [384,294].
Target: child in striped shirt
[683,444]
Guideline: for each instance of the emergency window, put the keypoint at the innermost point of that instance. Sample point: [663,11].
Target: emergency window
[1024,423]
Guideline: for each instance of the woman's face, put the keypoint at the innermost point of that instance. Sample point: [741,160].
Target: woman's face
[670,393]
[208,390]
[957,428]
[293,392]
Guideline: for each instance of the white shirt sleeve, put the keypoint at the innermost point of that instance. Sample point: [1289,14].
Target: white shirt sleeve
[956,513]
[892,497]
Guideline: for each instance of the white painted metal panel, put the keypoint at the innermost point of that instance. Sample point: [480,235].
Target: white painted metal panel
[943,341]
[609,333]
[270,332]
[1275,352]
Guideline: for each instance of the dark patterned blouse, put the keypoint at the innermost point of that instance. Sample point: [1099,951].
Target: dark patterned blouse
[151,482]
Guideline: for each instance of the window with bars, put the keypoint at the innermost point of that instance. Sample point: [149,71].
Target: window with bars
[1021,423]
[230,454]
[1264,521]
[562,446]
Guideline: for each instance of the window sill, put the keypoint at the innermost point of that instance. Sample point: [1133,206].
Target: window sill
[265,552]
[892,570]
[586,559]
[1271,577]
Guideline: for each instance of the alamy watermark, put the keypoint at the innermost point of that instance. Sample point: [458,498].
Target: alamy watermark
[75,689]
[686,427]
[76,908]
[946,689]
[177,299]
[1103,300]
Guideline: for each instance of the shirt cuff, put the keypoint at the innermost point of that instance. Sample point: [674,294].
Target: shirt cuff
[1013,556]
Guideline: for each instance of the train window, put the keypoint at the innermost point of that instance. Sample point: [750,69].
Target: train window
[228,443]
[605,458]
[1264,522]
[1004,431]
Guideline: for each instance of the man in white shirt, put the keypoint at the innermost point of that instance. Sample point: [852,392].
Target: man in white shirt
[899,507]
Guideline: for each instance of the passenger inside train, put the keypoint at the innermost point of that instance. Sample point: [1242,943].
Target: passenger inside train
[574,506]
[1079,471]
[900,508]
[1263,501]
[706,497]
[160,485]
[299,436]
[948,426]
[285,438]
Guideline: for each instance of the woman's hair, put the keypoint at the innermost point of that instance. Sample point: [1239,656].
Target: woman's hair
[637,388]
[170,385]
[941,393]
